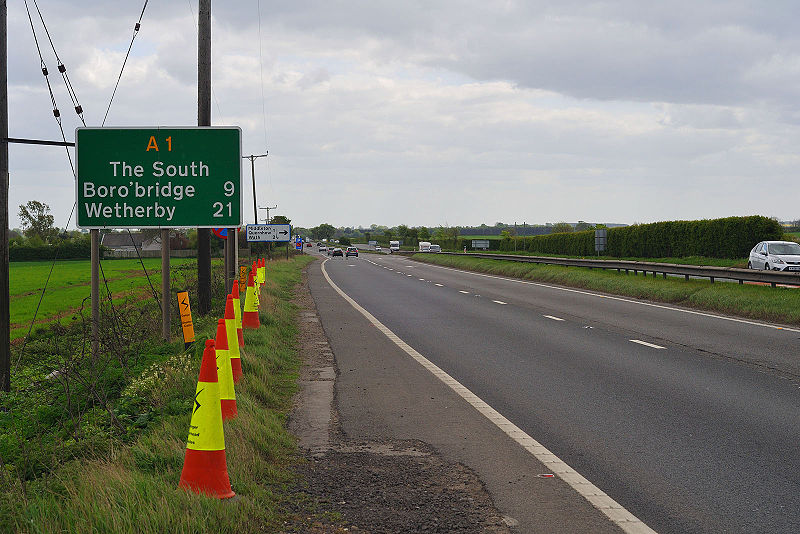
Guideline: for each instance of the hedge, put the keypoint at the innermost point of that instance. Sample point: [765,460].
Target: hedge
[730,237]
[67,250]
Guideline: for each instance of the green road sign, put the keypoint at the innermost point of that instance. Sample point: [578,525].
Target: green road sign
[159,177]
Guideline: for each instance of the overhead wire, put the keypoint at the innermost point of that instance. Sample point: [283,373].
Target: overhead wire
[136,28]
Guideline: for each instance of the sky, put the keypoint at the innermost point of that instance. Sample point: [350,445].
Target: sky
[440,112]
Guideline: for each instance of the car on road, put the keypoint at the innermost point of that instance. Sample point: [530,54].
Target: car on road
[329,251]
[351,251]
[337,252]
[435,248]
[775,256]
[323,248]
[377,248]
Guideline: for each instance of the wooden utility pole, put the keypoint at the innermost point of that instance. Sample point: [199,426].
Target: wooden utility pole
[95,292]
[5,316]
[204,119]
[166,298]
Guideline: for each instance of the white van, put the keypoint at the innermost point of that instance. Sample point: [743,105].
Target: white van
[394,246]
[435,248]
[424,246]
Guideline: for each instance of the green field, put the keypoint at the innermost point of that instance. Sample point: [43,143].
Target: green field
[69,285]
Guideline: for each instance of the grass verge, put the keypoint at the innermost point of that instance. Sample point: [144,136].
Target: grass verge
[130,483]
[756,302]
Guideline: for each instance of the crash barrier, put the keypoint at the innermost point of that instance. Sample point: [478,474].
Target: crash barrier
[205,469]
[688,271]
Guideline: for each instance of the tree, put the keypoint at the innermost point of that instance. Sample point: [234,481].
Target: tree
[281,219]
[583,225]
[423,234]
[323,231]
[562,228]
[37,221]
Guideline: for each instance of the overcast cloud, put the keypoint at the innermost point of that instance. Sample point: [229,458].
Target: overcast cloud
[443,112]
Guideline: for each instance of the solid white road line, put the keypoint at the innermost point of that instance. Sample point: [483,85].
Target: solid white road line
[621,517]
[554,318]
[646,344]
[621,299]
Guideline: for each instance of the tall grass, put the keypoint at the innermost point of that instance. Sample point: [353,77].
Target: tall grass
[756,302]
[132,487]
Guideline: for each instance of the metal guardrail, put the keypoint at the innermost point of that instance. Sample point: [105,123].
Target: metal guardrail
[697,271]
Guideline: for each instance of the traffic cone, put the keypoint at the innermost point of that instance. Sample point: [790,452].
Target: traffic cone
[237,311]
[250,313]
[262,271]
[227,394]
[205,469]
[233,340]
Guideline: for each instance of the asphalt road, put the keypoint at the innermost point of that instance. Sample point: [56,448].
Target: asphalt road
[690,421]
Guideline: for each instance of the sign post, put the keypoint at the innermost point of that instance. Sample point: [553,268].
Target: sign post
[159,177]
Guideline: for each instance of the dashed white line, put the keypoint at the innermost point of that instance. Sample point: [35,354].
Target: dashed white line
[646,344]
[440,285]
[614,511]
[465,292]
[553,318]
[421,279]
[500,302]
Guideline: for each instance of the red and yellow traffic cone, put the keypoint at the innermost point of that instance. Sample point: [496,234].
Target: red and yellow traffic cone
[227,393]
[237,311]
[233,340]
[250,313]
[262,271]
[205,469]
[256,285]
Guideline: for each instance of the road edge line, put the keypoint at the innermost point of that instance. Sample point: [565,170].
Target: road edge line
[614,511]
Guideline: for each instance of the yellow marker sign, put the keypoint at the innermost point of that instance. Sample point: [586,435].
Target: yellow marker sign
[205,429]
[186,318]
[242,279]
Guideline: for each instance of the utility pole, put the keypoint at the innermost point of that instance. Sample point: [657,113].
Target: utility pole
[204,119]
[252,159]
[269,245]
[5,317]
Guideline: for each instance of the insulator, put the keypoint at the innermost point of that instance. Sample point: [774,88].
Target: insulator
[136,28]
[44,71]
[61,68]
[56,113]
[78,109]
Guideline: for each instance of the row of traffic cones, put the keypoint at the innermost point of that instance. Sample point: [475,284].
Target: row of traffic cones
[205,469]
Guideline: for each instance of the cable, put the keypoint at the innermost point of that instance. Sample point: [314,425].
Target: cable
[145,269]
[261,72]
[125,61]
[61,67]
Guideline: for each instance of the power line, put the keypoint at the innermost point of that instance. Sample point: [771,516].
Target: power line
[125,61]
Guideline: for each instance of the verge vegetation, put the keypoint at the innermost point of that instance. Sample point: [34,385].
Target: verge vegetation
[98,446]
[753,301]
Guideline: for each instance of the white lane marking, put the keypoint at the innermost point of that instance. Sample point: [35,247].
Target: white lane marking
[554,318]
[614,511]
[500,302]
[646,344]
[421,279]
[350,265]
[621,299]
[440,285]
[462,291]
[409,275]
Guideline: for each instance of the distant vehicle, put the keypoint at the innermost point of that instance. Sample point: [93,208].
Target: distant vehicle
[308,244]
[351,251]
[394,246]
[775,256]
[424,246]
[378,248]
[337,252]
[323,248]
[435,248]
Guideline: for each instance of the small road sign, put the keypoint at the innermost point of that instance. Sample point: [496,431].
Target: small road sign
[156,177]
[268,232]
[221,233]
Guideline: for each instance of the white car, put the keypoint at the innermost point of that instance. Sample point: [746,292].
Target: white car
[377,248]
[775,256]
[323,248]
